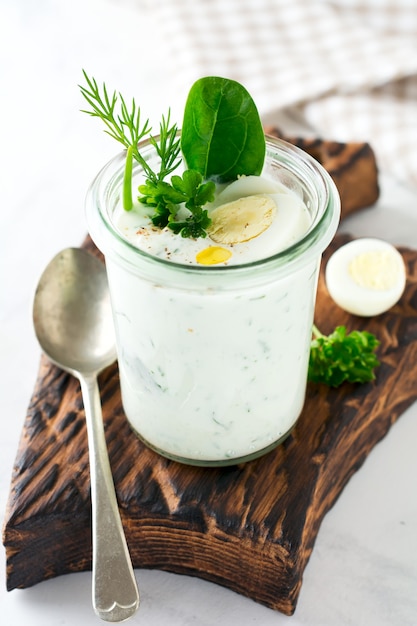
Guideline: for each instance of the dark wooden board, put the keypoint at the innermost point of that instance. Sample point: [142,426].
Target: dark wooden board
[250,528]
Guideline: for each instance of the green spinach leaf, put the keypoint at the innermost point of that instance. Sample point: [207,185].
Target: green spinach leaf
[222,135]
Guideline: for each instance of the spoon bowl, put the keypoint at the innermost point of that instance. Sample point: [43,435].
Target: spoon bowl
[72,318]
[72,313]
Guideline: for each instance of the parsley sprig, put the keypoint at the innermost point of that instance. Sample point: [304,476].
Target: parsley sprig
[341,357]
[163,197]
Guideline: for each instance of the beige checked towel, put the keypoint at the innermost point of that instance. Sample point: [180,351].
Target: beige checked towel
[349,67]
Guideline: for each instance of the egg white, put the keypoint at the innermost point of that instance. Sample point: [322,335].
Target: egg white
[248,186]
[288,225]
[358,299]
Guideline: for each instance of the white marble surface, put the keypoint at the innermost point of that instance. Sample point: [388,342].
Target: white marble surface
[363,569]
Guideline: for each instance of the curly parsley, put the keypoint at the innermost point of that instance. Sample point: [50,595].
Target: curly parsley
[166,199]
[341,357]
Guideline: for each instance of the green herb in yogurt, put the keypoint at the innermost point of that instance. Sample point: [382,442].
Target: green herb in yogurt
[222,138]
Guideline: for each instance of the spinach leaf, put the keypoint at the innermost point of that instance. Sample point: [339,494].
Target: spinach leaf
[222,135]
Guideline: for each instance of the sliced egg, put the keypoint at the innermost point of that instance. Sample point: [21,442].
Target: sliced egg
[366,276]
[241,220]
[244,209]
[247,186]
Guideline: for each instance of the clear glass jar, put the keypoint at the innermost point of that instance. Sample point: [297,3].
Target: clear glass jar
[213,359]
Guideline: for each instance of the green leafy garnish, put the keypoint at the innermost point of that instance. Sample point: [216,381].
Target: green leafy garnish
[168,148]
[165,198]
[341,357]
[162,198]
[222,138]
[124,126]
[222,135]
[196,194]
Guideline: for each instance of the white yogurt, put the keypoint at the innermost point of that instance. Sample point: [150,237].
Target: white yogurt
[209,375]
[208,378]
[213,360]
[292,220]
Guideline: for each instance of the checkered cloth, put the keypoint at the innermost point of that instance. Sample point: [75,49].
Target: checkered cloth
[348,66]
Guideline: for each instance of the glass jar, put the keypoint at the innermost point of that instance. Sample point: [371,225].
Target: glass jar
[213,359]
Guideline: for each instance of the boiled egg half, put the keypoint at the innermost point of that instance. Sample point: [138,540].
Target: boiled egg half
[366,276]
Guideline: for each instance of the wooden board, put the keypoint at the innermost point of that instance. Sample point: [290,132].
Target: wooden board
[250,528]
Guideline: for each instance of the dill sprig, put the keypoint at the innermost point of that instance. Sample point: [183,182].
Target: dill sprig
[164,198]
[167,148]
[103,106]
[123,126]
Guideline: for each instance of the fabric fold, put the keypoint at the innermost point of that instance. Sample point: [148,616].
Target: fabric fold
[349,66]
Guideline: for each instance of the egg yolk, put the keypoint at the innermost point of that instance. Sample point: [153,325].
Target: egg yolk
[376,270]
[213,255]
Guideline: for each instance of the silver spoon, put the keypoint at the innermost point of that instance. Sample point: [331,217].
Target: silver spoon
[73,323]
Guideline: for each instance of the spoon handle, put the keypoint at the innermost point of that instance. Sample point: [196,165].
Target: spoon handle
[115,592]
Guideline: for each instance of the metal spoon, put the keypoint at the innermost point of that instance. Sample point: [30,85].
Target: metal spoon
[73,324]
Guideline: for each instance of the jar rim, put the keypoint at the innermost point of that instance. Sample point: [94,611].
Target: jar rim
[289,156]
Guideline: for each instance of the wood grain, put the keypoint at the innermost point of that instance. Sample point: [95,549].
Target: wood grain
[250,528]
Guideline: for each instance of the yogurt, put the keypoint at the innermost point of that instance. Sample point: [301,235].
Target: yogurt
[290,222]
[213,360]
